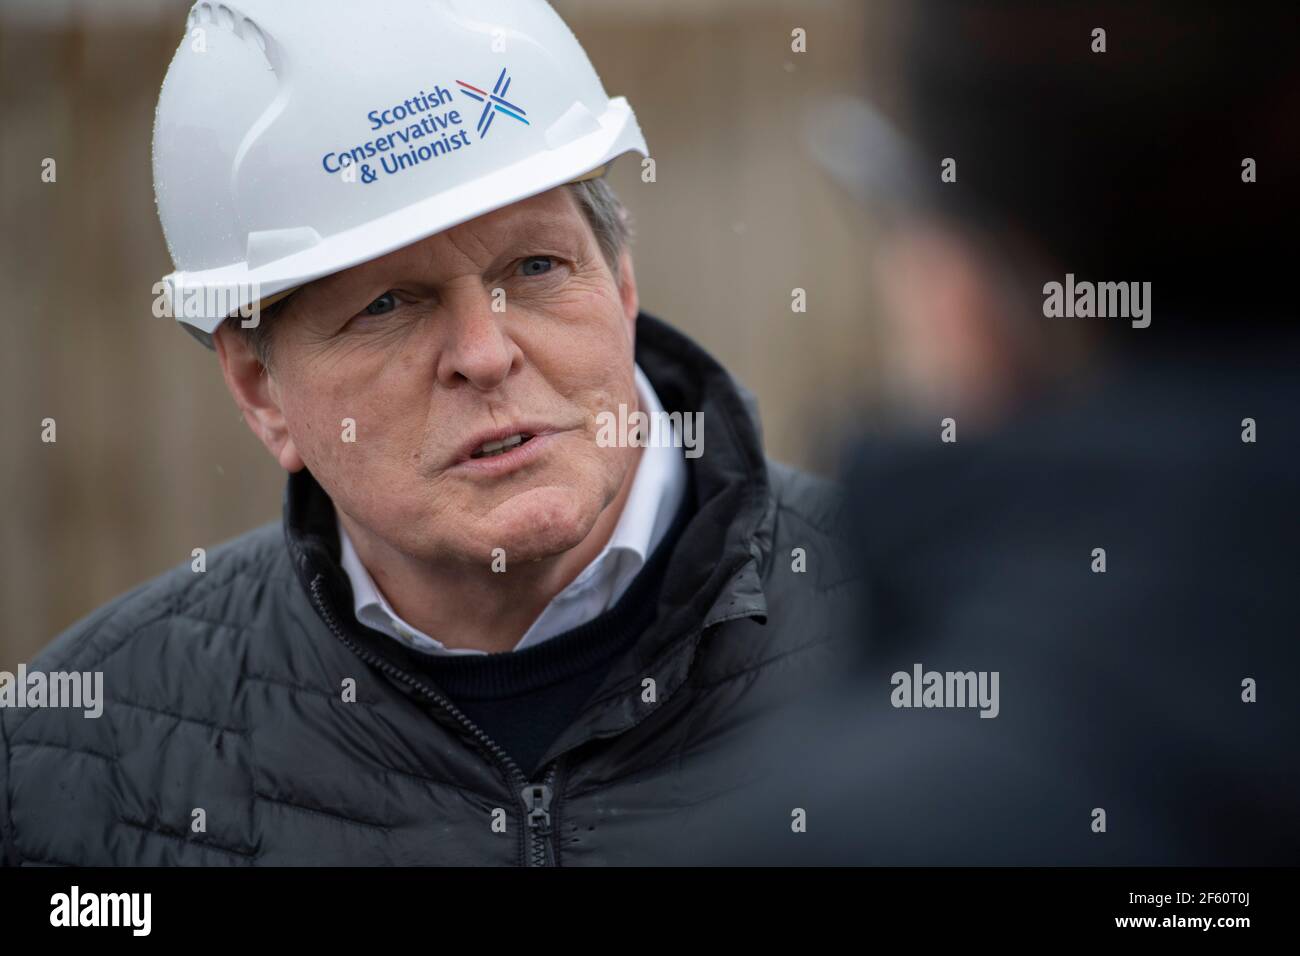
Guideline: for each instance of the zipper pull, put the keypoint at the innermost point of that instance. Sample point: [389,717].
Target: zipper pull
[537,801]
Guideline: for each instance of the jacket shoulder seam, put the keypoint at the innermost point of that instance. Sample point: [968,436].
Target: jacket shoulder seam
[830,496]
[825,527]
[761,665]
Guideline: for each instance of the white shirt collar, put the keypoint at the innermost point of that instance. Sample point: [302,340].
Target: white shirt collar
[656,493]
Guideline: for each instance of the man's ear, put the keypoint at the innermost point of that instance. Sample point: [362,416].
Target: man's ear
[256,394]
[627,291]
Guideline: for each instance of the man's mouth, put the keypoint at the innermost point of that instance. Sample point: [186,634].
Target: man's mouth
[490,449]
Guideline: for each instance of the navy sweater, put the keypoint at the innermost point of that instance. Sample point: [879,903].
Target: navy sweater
[525,699]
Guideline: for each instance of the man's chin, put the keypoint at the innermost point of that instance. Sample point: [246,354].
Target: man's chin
[536,524]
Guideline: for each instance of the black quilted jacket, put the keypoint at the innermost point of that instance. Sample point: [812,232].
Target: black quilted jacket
[225,738]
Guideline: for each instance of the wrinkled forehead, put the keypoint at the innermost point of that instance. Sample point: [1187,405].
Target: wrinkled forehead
[554,214]
[549,222]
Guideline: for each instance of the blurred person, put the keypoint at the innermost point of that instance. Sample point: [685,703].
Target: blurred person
[500,622]
[1078,622]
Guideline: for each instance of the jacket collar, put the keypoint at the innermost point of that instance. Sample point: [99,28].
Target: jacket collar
[714,574]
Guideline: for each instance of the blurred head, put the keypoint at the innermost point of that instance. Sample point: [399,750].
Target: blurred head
[1105,140]
[514,327]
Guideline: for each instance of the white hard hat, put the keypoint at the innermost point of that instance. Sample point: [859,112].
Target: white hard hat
[296,138]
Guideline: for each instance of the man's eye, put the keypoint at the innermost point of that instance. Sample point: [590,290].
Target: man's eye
[385,303]
[536,265]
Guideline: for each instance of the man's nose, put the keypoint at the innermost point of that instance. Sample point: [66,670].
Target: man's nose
[478,349]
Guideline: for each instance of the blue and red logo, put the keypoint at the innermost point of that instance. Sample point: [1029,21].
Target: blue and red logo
[493,103]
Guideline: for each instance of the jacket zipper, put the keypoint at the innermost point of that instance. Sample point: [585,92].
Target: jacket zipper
[537,804]
[535,845]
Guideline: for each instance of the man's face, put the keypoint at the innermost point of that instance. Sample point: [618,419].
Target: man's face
[411,348]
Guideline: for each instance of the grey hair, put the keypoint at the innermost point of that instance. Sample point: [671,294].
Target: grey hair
[608,219]
[602,209]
